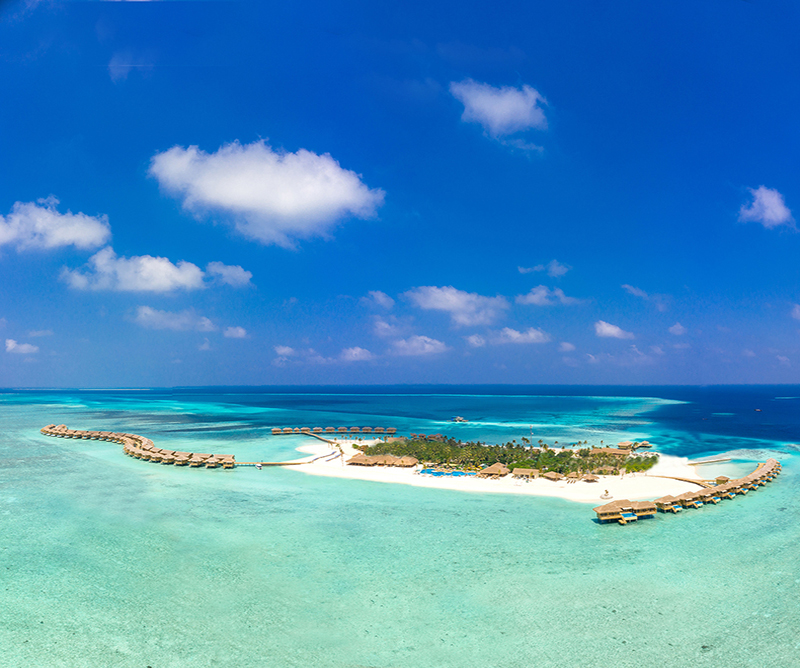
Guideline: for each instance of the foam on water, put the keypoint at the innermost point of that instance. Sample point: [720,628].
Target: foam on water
[109,561]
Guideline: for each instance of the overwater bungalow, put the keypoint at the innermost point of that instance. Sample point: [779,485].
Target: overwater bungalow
[668,504]
[622,511]
[721,479]
[690,500]
[341,430]
[167,459]
[330,430]
[643,508]
[305,430]
[625,445]
[212,462]
[317,430]
[228,461]
[391,431]
[182,458]
[276,431]
[366,430]
[355,430]
[377,430]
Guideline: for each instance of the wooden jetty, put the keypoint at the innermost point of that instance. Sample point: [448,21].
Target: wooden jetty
[624,511]
[333,431]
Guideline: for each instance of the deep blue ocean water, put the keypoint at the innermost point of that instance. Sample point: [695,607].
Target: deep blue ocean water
[109,561]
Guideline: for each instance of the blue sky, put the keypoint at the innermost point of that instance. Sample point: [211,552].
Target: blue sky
[198,193]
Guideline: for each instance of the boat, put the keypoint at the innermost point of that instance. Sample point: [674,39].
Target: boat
[458,418]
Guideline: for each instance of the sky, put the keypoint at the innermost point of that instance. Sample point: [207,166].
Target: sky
[249,193]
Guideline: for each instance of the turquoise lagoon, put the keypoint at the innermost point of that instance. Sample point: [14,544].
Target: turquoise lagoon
[109,561]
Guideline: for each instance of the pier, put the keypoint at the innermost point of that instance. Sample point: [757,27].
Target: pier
[624,511]
[319,432]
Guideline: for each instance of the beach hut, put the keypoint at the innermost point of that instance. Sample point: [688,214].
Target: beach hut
[526,474]
[407,461]
[553,475]
[624,445]
[590,477]
[493,471]
[572,475]
[360,460]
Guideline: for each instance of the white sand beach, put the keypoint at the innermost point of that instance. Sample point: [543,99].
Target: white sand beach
[631,486]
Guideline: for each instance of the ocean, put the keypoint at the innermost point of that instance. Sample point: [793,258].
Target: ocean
[109,561]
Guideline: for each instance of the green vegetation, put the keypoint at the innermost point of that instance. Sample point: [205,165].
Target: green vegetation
[456,454]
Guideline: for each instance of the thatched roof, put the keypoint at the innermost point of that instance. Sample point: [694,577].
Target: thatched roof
[526,472]
[494,469]
[407,461]
[553,475]
[590,477]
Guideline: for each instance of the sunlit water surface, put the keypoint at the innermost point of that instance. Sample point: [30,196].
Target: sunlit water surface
[110,561]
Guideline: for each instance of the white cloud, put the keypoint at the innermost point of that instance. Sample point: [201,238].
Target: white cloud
[530,335]
[42,226]
[20,348]
[660,301]
[285,351]
[270,196]
[181,321]
[142,273]
[418,345]
[677,329]
[553,268]
[378,298]
[565,347]
[476,340]
[235,333]
[543,296]
[796,311]
[230,274]
[658,350]
[607,330]
[465,308]
[356,354]
[206,345]
[501,111]
[785,361]
[123,62]
[41,332]
[748,353]
[767,208]
[386,329]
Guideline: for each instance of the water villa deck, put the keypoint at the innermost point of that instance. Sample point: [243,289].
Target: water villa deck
[624,511]
[334,431]
[144,449]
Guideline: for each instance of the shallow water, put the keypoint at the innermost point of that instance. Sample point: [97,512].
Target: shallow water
[110,561]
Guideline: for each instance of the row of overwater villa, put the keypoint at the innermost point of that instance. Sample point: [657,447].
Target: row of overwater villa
[624,511]
[334,431]
[143,448]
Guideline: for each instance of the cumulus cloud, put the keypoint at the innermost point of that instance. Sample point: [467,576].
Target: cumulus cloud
[553,268]
[386,329]
[767,208]
[180,321]
[677,329]
[356,354]
[142,273]
[476,340]
[464,308]
[41,226]
[607,330]
[378,298]
[270,196]
[530,335]
[229,274]
[235,333]
[418,345]
[500,111]
[20,348]
[565,347]
[544,296]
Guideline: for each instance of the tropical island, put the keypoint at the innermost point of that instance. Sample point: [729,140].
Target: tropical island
[444,452]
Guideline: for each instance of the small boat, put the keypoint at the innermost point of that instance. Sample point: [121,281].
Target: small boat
[458,418]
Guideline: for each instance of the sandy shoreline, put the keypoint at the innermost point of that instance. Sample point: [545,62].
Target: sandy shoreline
[632,486]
